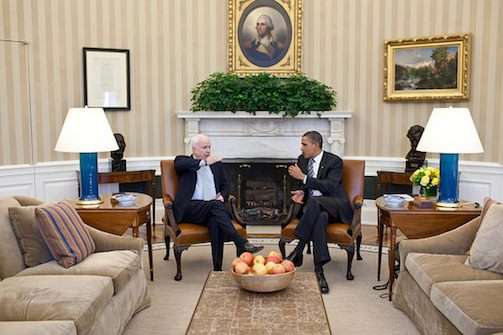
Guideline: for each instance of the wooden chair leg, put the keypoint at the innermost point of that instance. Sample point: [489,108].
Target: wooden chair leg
[167,241]
[350,250]
[308,248]
[178,257]
[358,246]
[281,246]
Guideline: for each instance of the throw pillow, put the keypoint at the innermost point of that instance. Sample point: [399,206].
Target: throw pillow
[486,252]
[31,242]
[65,233]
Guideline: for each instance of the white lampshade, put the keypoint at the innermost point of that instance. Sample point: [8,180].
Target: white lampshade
[450,131]
[86,130]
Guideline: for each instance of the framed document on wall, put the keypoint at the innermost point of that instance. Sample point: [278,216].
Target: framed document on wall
[106,79]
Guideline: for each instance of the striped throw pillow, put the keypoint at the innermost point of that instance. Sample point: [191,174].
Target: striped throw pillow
[64,233]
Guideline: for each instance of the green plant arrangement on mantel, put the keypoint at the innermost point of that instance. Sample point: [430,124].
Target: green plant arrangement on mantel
[289,96]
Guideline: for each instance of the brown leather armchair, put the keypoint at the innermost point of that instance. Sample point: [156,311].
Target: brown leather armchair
[343,234]
[183,234]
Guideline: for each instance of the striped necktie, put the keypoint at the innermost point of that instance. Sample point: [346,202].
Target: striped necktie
[310,168]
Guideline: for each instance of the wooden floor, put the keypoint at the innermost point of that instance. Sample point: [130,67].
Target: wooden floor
[369,233]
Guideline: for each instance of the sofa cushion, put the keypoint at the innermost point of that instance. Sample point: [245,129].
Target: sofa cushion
[38,327]
[486,252]
[65,233]
[37,298]
[428,269]
[474,307]
[11,259]
[119,265]
[31,243]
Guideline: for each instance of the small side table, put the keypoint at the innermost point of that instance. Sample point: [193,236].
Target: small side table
[416,223]
[112,218]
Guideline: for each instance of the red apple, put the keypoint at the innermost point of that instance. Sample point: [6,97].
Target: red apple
[277,269]
[241,267]
[273,258]
[273,253]
[288,265]
[247,257]
[235,261]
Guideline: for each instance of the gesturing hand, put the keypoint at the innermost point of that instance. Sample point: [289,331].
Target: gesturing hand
[212,159]
[219,197]
[298,196]
[296,172]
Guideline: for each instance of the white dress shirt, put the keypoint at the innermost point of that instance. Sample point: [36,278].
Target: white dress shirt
[205,184]
[316,167]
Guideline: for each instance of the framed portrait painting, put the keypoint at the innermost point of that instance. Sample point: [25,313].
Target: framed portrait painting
[106,79]
[427,69]
[265,36]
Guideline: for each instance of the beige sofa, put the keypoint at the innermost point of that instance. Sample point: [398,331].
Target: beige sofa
[97,296]
[441,294]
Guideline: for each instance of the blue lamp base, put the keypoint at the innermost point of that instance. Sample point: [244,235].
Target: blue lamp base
[449,191]
[89,179]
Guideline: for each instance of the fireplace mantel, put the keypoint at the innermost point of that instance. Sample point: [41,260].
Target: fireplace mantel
[244,135]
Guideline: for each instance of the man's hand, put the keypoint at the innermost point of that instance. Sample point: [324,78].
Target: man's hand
[296,172]
[219,197]
[212,159]
[298,196]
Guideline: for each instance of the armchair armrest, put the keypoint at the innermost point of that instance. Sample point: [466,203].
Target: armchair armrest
[357,202]
[454,242]
[169,217]
[108,242]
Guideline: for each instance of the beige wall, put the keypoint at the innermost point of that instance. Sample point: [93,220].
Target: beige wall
[176,43]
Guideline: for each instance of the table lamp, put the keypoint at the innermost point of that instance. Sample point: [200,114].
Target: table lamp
[87,131]
[450,132]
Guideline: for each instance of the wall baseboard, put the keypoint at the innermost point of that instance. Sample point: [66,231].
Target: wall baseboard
[54,181]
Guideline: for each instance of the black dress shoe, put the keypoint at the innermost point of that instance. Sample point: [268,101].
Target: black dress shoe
[248,247]
[322,282]
[296,257]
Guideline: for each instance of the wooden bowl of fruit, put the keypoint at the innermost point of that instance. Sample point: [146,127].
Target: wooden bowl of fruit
[262,274]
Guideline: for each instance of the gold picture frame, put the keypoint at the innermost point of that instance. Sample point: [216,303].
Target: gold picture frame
[427,69]
[265,36]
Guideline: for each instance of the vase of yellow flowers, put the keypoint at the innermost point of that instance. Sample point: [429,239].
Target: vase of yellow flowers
[428,179]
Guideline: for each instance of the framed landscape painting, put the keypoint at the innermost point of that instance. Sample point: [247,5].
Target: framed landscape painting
[424,69]
[265,36]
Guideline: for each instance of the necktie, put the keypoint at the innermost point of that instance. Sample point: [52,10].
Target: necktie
[310,168]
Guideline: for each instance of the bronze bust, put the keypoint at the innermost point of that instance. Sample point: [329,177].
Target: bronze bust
[119,164]
[415,159]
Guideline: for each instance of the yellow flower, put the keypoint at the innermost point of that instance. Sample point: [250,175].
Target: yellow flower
[434,181]
[427,172]
[424,181]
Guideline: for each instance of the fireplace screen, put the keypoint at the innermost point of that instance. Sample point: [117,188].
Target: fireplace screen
[262,188]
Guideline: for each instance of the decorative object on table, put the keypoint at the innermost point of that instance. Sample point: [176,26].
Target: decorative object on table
[415,159]
[118,164]
[424,202]
[289,96]
[428,178]
[87,131]
[124,199]
[450,131]
[265,36]
[396,200]
[431,68]
[106,79]
[262,274]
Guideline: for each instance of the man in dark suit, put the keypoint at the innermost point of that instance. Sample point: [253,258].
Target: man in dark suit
[203,190]
[322,197]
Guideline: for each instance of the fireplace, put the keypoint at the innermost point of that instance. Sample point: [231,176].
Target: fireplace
[262,188]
